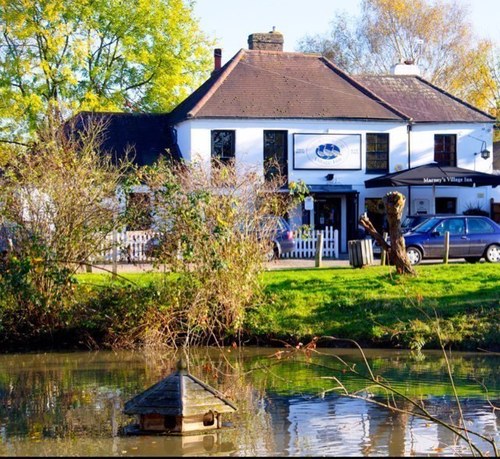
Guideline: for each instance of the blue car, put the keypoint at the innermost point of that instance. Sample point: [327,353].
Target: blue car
[284,241]
[280,234]
[471,237]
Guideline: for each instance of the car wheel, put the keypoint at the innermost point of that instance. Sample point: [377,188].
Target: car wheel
[414,255]
[493,253]
[472,259]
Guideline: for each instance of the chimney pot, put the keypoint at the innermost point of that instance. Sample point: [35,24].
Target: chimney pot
[217,59]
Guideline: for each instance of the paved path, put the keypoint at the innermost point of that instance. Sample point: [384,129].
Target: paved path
[284,263]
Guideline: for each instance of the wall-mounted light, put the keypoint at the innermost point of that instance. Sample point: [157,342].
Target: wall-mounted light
[330,177]
[485,153]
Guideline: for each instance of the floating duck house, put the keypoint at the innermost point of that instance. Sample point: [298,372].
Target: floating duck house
[179,404]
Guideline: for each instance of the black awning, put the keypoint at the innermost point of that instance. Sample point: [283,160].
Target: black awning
[434,175]
[331,189]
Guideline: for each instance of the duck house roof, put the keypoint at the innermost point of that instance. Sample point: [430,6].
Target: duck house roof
[179,394]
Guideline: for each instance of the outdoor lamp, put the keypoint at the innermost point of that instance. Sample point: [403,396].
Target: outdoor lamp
[485,153]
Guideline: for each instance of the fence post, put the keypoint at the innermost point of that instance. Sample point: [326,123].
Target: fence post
[115,253]
[446,246]
[319,250]
[336,243]
[383,253]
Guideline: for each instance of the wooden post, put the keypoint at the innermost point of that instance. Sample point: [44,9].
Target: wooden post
[383,253]
[446,246]
[115,253]
[319,250]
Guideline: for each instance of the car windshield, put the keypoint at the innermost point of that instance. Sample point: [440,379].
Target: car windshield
[408,222]
[426,225]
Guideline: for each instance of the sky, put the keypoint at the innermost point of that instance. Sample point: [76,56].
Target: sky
[230,22]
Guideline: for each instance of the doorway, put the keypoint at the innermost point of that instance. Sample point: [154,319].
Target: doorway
[446,205]
[327,212]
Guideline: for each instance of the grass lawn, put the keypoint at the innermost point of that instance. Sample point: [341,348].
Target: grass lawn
[376,306]
[373,305]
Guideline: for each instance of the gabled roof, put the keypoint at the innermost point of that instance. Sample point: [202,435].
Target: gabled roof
[146,135]
[420,100]
[277,84]
[179,394]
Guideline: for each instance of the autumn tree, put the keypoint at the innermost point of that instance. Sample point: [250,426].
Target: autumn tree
[216,225]
[436,37]
[60,57]
[59,199]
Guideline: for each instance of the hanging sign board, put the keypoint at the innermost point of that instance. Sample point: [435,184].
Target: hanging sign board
[326,151]
[309,203]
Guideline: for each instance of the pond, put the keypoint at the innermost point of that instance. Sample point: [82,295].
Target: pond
[289,403]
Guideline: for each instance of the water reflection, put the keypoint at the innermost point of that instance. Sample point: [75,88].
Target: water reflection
[71,404]
[339,426]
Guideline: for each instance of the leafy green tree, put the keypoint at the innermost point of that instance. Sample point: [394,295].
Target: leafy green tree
[59,57]
[436,37]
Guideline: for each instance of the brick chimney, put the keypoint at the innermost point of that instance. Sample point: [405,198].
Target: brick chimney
[272,41]
[217,59]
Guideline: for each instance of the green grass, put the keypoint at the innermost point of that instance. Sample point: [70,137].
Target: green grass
[376,306]
[372,305]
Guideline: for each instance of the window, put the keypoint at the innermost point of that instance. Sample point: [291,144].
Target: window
[445,149]
[479,226]
[223,145]
[275,154]
[455,226]
[377,153]
[445,205]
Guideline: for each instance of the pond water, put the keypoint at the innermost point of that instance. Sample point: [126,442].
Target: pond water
[70,404]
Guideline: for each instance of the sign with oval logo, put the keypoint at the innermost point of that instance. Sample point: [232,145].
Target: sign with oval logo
[327,151]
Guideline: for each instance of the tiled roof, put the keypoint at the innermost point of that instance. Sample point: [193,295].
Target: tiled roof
[179,394]
[148,135]
[420,100]
[276,84]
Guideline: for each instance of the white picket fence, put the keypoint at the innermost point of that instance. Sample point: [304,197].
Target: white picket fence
[130,246]
[306,243]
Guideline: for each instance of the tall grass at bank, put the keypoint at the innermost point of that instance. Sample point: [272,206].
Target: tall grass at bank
[372,305]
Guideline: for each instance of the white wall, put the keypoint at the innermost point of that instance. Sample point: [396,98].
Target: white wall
[194,141]
[470,139]
[194,138]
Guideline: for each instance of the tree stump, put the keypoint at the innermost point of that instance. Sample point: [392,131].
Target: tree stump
[394,203]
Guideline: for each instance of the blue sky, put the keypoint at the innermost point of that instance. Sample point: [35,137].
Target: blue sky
[231,21]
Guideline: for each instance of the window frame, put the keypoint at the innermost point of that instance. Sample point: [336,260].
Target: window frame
[282,159]
[445,149]
[377,152]
[224,158]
